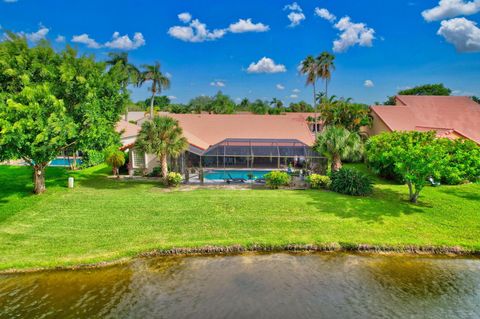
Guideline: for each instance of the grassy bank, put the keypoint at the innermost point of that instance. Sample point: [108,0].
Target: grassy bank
[104,219]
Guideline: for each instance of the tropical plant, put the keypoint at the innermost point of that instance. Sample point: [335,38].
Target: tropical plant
[201,104]
[127,72]
[159,81]
[174,179]
[222,104]
[310,68]
[351,182]
[115,158]
[317,181]
[51,102]
[352,116]
[275,179]
[336,142]
[302,107]
[92,158]
[259,107]
[326,64]
[427,89]
[163,137]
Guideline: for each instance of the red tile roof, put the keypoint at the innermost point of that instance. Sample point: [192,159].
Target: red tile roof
[445,114]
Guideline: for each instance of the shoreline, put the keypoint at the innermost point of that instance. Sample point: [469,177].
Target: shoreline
[412,250]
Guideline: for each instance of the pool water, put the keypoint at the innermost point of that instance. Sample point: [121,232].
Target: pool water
[226,174]
[60,161]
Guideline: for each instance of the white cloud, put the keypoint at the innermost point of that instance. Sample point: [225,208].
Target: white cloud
[185,17]
[195,32]
[296,91]
[294,96]
[451,9]
[352,34]
[296,15]
[325,14]
[293,7]
[462,33]
[218,83]
[125,43]
[368,84]
[85,39]
[247,26]
[280,87]
[172,97]
[36,36]
[295,18]
[10,1]
[266,65]
[60,39]
[168,75]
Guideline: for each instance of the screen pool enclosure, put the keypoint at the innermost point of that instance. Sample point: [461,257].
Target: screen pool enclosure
[256,153]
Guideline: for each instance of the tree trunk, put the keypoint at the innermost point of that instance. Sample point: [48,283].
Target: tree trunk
[326,89]
[39,178]
[164,163]
[336,163]
[412,196]
[152,101]
[315,108]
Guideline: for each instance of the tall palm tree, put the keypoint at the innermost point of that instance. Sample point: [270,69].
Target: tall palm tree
[128,73]
[276,103]
[336,142]
[159,81]
[309,67]
[163,137]
[326,64]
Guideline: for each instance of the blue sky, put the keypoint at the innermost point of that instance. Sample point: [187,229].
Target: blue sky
[384,46]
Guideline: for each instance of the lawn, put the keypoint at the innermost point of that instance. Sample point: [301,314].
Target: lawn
[104,219]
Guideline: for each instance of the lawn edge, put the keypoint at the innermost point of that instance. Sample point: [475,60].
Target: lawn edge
[414,250]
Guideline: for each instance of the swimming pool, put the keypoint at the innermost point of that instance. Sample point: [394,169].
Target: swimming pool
[61,161]
[226,174]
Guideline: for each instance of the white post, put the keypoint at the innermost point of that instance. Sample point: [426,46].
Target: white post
[70,182]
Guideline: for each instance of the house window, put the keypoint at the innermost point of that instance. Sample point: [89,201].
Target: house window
[138,159]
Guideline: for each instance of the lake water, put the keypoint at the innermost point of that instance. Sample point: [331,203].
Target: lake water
[252,286]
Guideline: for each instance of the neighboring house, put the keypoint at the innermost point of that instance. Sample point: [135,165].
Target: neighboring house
[235,140]
[450,116]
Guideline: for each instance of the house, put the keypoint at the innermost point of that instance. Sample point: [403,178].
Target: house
[233,141]
[450,116]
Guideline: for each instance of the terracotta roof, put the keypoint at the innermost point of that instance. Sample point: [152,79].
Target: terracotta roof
[205,130]
[445,114]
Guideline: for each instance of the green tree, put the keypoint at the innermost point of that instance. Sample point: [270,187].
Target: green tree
[310,68]
[159,81]
[222,104]
[427,89]
[201,104]
[116,159]
[326,64]
[125,71]
[278,107]
[302,107]
[352,116]
[336,142]
[244,105]
[163,137]
[476,99]
[53,101]
[259,107]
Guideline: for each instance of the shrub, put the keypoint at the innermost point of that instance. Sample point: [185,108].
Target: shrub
[174,179]
[275,179]
[92,158]
[461,161]
[317,181]
[351,182]
[115,158]
[156,172]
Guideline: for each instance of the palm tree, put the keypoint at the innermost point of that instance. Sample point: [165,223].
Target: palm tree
[116,159]
[326,65]
[309,67]
[128,73]
[159,81]
[277,103]
[163,137]
[336,142]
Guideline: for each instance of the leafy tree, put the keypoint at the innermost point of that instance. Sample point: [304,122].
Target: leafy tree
[278,107]
[160,102]
[179,108]
[336,142]
[222,104]
[53,101]
[427,89]
[201,104]
[244,105]
[125,71]
[461,161]
[476,99]
[301,107]
[159,81]
[259,107]
[351,116]
[115,158]
[163,137]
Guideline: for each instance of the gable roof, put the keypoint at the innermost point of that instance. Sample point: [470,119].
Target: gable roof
[445,114]
[205,130]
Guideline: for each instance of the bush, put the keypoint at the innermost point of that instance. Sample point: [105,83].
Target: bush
[92,158]
[275,179]
[115,158]
[351,182]
[461,161]
[317,181]
[174,179]
[156,172]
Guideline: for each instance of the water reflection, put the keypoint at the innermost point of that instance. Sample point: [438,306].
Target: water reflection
[246,286]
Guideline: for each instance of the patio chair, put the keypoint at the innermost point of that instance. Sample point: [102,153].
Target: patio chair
[231,180]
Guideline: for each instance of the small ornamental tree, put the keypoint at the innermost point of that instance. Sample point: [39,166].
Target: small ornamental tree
[116,159]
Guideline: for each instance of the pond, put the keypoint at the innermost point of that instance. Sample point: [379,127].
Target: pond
[252,286]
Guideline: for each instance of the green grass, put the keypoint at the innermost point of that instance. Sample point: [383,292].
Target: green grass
[104,219]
